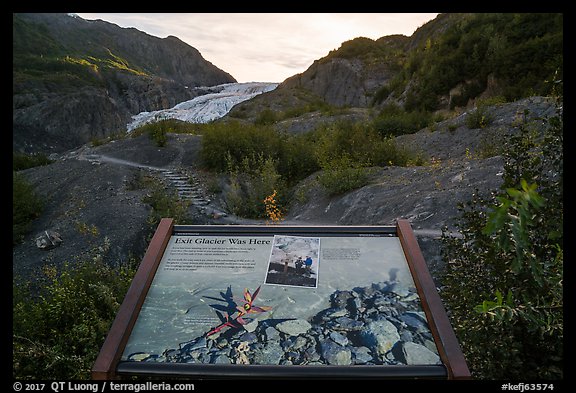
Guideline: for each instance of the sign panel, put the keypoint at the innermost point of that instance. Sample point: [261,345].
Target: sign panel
[282,298]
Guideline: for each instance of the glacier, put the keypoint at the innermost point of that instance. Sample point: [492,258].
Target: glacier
[215,102]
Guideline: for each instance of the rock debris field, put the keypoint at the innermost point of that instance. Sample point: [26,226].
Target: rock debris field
[381,324]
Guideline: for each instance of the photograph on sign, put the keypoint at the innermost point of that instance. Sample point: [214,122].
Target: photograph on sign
[294,261]
[248,300]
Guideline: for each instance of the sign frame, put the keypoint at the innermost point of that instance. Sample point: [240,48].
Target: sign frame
[108,364]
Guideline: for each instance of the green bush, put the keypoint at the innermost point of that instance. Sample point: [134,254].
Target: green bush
[490,144]
[254,179]
[165,203]
[22,161]
[313,105]
[395,121]
[235,141]
[345,139]
[341,175]
[363,145]
[503,281]
[380,95]
[297,157]
[478,118]
[490,101]
[157,131]
[346,150]
[266,117]
[251,153]
[57,333]
[158,135]
[26,206]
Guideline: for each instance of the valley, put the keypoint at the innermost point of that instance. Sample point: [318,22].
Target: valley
[457,128]
[93,186]
[76,102]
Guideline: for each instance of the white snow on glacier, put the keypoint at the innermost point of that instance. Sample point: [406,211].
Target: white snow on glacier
[207,107]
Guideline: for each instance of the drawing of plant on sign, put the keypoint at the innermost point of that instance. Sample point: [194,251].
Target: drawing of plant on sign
[246,308]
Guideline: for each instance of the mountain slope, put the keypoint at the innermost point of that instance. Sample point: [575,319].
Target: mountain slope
[447,63]
[75,80]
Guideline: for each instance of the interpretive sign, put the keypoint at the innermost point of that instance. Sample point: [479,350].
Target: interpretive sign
[282,300]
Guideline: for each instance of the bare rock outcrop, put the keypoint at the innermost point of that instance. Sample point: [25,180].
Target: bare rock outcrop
[342,82]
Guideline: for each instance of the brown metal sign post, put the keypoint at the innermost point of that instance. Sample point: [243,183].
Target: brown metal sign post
[275,266]
[449,348]
[109,356]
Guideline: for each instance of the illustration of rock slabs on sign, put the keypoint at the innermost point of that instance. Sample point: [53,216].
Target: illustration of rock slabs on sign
[381,324]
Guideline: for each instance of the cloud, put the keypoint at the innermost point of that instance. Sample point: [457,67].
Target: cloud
[267,47]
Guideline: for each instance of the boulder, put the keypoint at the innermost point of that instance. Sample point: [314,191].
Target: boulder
[418,354]
[294,327]
[335,354]
[380,335]
[48,240]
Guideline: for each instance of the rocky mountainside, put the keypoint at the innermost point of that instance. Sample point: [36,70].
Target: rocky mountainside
[345,78]
[75,80]
[448,63]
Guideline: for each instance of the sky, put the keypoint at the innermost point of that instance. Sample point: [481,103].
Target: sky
[262,47]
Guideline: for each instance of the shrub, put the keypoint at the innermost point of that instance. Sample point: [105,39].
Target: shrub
[297,157]
[380,95]
[158,135]
[26,206]
[57,333]
[157,131]
[266,117]
[251,153]
[489,101]
[22,161]
[395,121]
[362,145]
[490,144]
[478,118]
[386,153]
[273,211]
[236,141]
[251,182]
[341,174]
[503,282]
[165,203]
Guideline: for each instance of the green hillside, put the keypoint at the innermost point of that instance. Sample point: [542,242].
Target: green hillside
[39,58]
[521,52]
[448,64]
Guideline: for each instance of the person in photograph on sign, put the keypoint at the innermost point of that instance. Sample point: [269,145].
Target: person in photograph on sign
[299,263]
[308,264]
